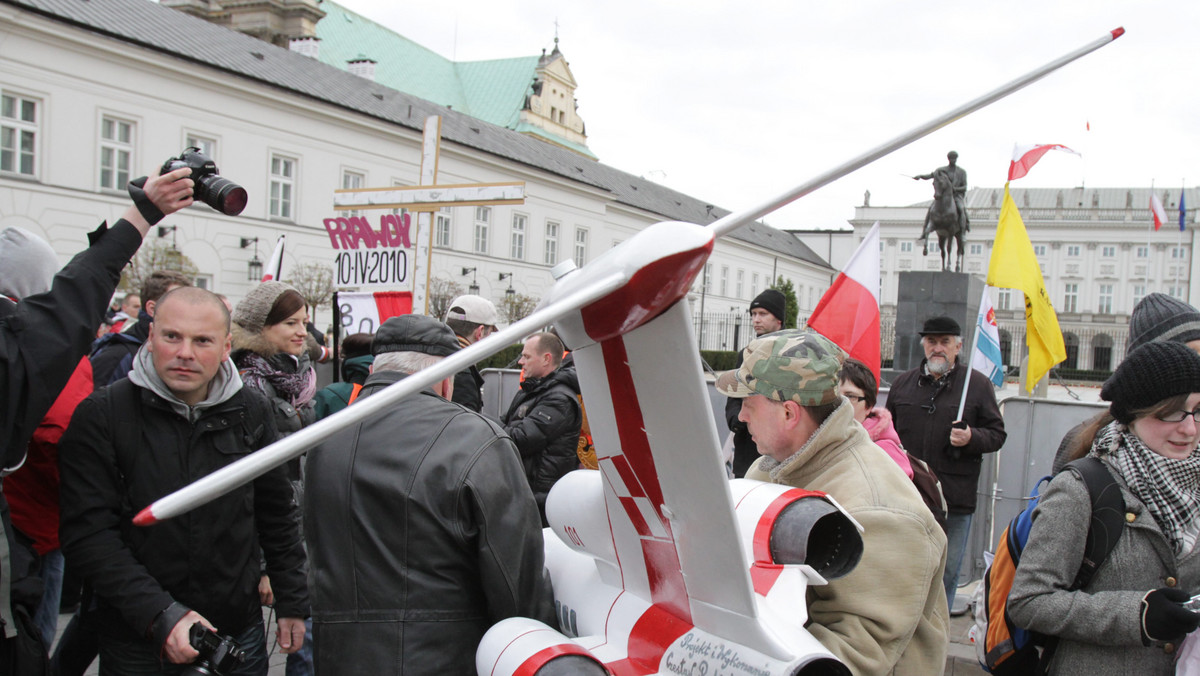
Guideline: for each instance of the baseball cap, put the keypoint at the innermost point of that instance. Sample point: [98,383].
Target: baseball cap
[801,366]
[475,309]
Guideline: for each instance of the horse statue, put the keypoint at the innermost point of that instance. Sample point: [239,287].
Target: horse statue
[942,218]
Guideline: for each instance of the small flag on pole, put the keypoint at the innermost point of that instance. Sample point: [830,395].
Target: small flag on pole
[987,358]
[274,267]
[1157,211]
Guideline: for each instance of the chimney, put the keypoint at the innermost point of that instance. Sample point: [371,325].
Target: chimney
[363,67]
[309,45]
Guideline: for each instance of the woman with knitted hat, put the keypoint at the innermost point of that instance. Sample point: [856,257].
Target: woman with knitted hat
[1130,618]
[270,350]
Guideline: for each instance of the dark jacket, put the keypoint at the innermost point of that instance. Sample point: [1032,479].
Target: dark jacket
[336,396]
[127,447]
[923,409]
[422,535]
[468,384]
[112,353]
[543,421]
[745,451]
[42,339]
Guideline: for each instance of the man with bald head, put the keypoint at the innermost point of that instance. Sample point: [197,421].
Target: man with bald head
[181,414]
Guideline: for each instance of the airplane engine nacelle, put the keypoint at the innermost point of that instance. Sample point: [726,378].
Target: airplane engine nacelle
[576,512]
[781,525]
[520,645]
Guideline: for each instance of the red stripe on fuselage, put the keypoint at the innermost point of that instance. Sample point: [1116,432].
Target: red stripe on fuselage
[649,639]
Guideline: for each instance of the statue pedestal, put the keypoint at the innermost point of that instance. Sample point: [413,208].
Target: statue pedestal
[922,295]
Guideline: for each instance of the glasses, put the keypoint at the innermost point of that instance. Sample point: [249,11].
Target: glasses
[854,397]
[1180,416]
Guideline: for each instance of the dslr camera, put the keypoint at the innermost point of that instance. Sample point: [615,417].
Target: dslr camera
[218,653]
[214,190]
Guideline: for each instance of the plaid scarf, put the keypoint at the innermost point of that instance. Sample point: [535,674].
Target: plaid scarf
[292,379]
[1166,486]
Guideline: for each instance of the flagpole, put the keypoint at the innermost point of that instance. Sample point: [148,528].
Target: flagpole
[1149,234]
[962,402]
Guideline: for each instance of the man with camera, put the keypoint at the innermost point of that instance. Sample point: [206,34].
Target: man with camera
[181,414]
[43,334]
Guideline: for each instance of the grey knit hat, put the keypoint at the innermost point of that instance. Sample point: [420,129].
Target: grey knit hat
[27,263]
[1150,374]
[1161,317]
[251,313]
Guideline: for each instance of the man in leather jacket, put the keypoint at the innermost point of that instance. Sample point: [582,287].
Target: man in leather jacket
[544,418]
[422,532]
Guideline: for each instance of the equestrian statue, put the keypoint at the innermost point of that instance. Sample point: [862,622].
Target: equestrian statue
[947,216]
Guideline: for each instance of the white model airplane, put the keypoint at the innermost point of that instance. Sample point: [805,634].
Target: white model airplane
[660,565]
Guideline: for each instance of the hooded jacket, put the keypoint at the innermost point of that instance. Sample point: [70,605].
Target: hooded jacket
[889,615]
[134,442]
[422,535]
[543,421]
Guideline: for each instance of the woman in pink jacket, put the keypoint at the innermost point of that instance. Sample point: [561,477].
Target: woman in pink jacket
[859,386]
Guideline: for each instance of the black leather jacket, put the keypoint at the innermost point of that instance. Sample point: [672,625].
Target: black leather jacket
[422,534]
[543,421]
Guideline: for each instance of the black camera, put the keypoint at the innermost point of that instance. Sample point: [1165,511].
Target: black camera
[218,653]
[217,192]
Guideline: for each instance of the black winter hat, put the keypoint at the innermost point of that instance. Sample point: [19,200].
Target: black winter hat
[940,326]
[772,301]
[1161,317]
[1150,374]
[414,333]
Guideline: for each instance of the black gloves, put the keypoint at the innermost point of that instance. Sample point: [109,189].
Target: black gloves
[1163,616]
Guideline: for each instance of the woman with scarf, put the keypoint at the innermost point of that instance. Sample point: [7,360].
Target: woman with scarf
[270,350]
[1130,618]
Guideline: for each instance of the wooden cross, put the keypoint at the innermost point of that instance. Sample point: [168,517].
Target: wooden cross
[426,198]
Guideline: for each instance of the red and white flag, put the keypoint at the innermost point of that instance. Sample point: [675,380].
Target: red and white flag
[1157,211]
[364,312]
[1024,157]
[848,313]
[274,269]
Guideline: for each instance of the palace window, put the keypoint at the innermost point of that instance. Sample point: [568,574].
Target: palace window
[116,152]
[19,129]
[483,217]
[283,186]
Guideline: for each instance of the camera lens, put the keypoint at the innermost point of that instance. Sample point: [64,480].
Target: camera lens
[222,194]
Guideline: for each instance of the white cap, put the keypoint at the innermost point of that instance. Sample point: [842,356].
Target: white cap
[476,309]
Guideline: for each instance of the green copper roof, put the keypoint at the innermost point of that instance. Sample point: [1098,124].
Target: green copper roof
[493,91]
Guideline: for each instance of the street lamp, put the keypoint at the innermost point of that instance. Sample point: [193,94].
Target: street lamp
[254,269]
[509,292]
[474,288]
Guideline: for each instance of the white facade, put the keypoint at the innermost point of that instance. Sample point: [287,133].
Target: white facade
[104,110]
[1098,253]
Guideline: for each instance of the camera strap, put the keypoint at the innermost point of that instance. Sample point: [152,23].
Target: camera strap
[143,203]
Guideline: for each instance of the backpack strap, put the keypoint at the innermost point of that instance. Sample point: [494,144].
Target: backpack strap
[354,393]
[1104,530]
[1108,516]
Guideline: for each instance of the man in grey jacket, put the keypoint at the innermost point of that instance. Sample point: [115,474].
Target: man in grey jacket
[422,530]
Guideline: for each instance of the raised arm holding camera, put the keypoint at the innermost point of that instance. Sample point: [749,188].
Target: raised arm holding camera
[45,328]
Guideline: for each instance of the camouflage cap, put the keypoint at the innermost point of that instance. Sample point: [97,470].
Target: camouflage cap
[798,365]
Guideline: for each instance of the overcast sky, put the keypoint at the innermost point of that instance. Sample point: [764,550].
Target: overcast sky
[734,102]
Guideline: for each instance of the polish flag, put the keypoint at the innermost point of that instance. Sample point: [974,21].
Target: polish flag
[848,313]
[274,268]
[1156,210]
[1024,157]
[364,312]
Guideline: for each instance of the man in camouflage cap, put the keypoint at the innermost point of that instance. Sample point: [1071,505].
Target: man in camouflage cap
[889,614]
